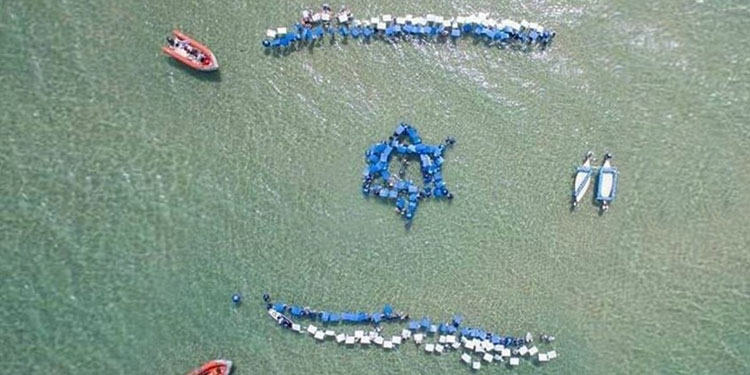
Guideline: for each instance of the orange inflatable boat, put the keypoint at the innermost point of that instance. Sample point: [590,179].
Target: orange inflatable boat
[215,367]
[189,52]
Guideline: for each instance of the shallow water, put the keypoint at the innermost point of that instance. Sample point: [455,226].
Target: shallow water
[138,196]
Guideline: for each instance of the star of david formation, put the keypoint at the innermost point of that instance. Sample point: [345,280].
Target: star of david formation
[378,181]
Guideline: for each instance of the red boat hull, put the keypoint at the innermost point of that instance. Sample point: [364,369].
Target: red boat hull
[181,56]
[215,367]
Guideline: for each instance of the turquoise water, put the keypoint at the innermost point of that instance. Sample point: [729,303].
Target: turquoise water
[138,196]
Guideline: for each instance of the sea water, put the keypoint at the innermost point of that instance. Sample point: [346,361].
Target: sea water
[137,196]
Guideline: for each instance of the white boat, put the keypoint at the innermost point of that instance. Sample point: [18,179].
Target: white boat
[280,318]
[607,184]
[583,179]
[275,315]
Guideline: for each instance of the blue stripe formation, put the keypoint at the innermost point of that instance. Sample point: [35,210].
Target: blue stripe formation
[437,337]
[332,317]
[424,324]
[405,194]
[312,28]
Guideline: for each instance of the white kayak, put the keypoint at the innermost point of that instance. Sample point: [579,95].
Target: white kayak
[280,318]
[583,179]
[607,184]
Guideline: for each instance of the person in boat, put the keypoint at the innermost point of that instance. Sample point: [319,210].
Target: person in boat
[187,48]
[196,55]
[178,43]
[326,8]
[181,44]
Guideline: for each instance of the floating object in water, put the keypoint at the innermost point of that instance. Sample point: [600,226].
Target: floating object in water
[433,329]
[607,184]
[311,329]
[457,319]
[405,334]
[478,347]
[280,318]
[237,298]
[418,338]
[215,367]
[582,180]
[189,52]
